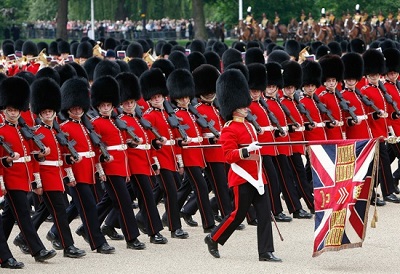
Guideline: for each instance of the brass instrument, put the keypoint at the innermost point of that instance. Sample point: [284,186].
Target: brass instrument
[149,58]
[302,54]
[97,51]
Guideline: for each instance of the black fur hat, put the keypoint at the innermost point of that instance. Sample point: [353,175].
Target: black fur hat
[322,51]
[231,56]
[240,66]
[374,62]
[166,49]
[29,48]
[75,93]
[123,66]
[14,92]
[134,50]
[110,43]
[335,48]
[197,45]
[292,74]
[53,48]
[387,44]
[353,66]
[129,87]
[73,48]
[80,71]
[257,76]
[152,83]
[252,44]
[45,94]
[165,65]
[278,56]
[357,45]
[332,67]
[240,46]
[232,93]
[85,50]
[89,66]
[180,84]
[151,45]
[343,46]
[314,46]
[137,66]
[144,44]
[42,45]
[392,56]
[196,59]
[270,48]
[8,49]
[104,90]
[205,78]
[48,72]
[254,55]
[19,44]
[312,73]
[179,60]
[374,44]
[66,72]
[219,48]
[63,47]
[106,67]
[159,45]
[178,48]
[213,59]
[27,75]
[274,74]
[293,48]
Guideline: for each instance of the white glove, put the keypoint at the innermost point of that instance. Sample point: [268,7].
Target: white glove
[253,147]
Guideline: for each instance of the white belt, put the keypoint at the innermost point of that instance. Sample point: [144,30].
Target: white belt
[87,154]
[143,147]
[285,128]
[208,135]
[322,124]
[24,159]
[197,139]
[118,147]
[300,128]
[268,128]
[51,163]
[362,117]
[170,143]
[340,123]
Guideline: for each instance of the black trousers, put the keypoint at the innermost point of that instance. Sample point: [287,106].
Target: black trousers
[16,209]
[384,171]
[273,184]
[244,196]
[5,252]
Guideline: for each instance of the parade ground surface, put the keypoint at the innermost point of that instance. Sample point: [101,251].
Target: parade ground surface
[379,253]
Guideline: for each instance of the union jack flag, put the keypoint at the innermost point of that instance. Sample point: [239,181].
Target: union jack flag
[343,180]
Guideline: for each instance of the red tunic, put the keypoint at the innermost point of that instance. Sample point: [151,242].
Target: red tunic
[317,133]
[144,105]
[393,120]
[29,117]
[332,103]
[233,134]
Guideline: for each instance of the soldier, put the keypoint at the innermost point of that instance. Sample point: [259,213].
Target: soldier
[398,17]
[374,21]
[264,21]
[331,19]
[249,20]
[310,20]
[357,17]
[245,176]
[302,17]
[381,19]
[323,21]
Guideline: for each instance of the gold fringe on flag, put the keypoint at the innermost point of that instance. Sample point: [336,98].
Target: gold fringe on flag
[374,177]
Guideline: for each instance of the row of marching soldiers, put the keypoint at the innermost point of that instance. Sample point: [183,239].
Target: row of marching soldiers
[162,130]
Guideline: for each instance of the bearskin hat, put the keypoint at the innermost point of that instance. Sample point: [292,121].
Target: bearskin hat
[159,45]
[104,89]
[332,67]
[357,45]
[178,48]
[110,43]
[45,94]
[353,66]
[322,51]
[166,49]
[129,87]
[14,92]
[278,56]
[165,65]
[123,66]
[53,48]
[232,93]
[134,50]
[335,48]
[270,48]
[219,48]
[89,66]
[231,56]
[27,75]
[312,73]
[29,48]
[66,72]
[85,50]
[240,46]
[19,44]
[8,49]
[241,67]
[292,74]
[42,45]
[274,74]
[205,78]
[387,44]
[106,67]
[48,72]
[152,83]
[314,45]
[343,46]
[292,47]
[179,60]
[144,44]
[75,93]
[213,59]
[374,62]
[257,76]
[197,45]
[254,55]
[180,84]
[63,47]
[80,71]
[151,45]
[196,59]
[2,77]
[137,66]
[392,56]
[73,48]
[374,44]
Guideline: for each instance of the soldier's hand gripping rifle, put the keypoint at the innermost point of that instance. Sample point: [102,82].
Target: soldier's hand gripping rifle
[121,125]
[6,147]
[389,98]
[95,138]
[28,134]
[323,109]
[272,117]
[174,122]
[201,121]
[302,109]
[344,105]
[287,113]
[146,124]
[63,140]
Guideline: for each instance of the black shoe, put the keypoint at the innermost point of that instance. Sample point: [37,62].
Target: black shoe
[269,257]
[188,219]
[80,231]
[253,222]
[44,255]
[74,252]
[379,202]
[55,242]
[111,233]
[392,199]
[179,233]
[302,214]
[20,242]
[12,264]
[396,189]
[158,239]
[282,217]
[135,244]
[209,229]
[212,246]
[105,249]
[240,227]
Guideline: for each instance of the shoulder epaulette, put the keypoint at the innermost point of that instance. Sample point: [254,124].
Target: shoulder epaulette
[323,93]
[228,123]
[63,123]
[94,119]
[148,110]
[2,125]
[364,87]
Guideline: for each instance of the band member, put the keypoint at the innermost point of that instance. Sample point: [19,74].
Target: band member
[245,178]
[17,173]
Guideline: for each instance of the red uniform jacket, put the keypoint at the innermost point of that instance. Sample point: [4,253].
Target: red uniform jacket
[144,105]
[393,119]
[233,134]
[317,133]
[29,117]
[332,104]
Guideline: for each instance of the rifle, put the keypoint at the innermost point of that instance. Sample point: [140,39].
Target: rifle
[121,125]
[302,109]
[28,134]
[203,122]
[272,116]
[252,119]
[95,138]
[344,105]
[146,124]
[173,120]
[389,98]
[287,112]
[367,101]
[63,140]
[6,147]
[322,108]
